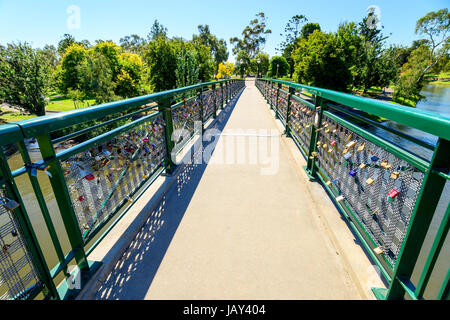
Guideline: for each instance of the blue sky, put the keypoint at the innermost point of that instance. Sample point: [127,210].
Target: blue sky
[44,22]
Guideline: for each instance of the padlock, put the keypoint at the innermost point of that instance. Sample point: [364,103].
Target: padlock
[394,175]
[362,165]
[333,143]
[392,195]
[374,158]
[361,147]
[378,250]
[369,181]
[340,198]
[351,144]
[347,156]
[352,173]
[9,204]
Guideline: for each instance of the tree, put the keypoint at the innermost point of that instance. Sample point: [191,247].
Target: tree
[292,33]
[225,70]
[218,47]
[96,77]
[436,25]
[69,75]
[157,30]
[253,36]
[111,52]
[24,78]
[242,63]
[278,67]
[133,43]
[205,63]
[129,79]
[308,29]
[64,43]
[262,66]
[161,60]
[187,68]
[319,62]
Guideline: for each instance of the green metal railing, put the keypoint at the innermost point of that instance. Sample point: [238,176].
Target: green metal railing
[117,150]
[387,193]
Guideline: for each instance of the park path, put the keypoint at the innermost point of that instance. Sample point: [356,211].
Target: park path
[227,231]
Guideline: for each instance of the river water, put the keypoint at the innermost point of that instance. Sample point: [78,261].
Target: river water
[438,100]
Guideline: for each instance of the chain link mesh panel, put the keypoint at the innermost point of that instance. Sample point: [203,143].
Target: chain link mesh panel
[183,119]
[18,276]
[102,178]
[300,122]
[380,188]
[282,105]
[208,98]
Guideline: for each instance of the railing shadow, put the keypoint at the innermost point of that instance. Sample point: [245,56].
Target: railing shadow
[133,274]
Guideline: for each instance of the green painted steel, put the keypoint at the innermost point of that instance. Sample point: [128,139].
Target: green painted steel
[332,105]
[162,105]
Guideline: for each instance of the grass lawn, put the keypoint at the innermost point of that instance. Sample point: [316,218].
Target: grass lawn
[10,116]
[60,103]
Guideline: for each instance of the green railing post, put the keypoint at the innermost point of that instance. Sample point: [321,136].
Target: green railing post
[311,163]
[164,108]
[28,233]
[215,100]
[287,130]
[222,104]
[200,99]
[427,200]
[270,95]
[62,197]
[277,115]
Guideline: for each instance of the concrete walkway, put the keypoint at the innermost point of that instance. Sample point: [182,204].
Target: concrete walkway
[243,229]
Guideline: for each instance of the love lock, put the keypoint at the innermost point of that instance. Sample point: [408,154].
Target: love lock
[9,204]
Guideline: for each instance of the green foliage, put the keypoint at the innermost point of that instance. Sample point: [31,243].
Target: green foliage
[24,78]
[111,52]
[308,29]
[187,68]
[218,47]
[157,30]
[97,77]
[242,63]
[253,36]
[130,76]
[161,60]
[133,43]
[408,86]
[205,63]
[278,67]
[262,66]
[319,62]
[69,75]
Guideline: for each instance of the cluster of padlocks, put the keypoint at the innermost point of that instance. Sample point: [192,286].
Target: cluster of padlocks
[104,177]
[208,100]
[282,105]
[17,272]
[300,122]
[184,118]
[380,187]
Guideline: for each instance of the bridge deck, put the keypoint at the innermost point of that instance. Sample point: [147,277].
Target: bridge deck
[227,231]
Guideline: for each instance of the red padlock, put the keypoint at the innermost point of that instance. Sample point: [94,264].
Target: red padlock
[333,142]
[393,194]
[89,177]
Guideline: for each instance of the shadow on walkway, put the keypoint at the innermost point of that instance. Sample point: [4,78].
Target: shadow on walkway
[133,274]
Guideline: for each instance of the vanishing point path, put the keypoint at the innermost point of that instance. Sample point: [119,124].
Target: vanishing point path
[244,229]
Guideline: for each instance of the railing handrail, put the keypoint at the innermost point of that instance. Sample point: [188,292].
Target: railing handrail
[41,125]
[431,122]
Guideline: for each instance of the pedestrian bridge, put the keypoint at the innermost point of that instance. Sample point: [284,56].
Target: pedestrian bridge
[232,189]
